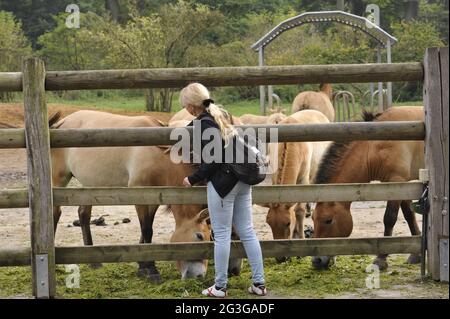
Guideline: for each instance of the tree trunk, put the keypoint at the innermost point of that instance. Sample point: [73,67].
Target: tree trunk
[114,7]
[358,7]
[412,11]
[149,100]
[166,100]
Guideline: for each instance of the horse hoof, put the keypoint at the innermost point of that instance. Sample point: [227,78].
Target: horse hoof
[381,263]
[414,259]
[152,277]
[96,265]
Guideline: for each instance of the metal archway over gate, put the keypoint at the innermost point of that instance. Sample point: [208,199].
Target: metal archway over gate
[383,39]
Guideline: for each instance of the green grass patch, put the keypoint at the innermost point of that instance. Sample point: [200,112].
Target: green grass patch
[293,279]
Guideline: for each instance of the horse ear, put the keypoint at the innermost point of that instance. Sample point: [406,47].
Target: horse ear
[203,215]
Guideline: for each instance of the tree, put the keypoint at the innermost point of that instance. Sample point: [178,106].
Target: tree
[14,46]
[73,49]
[158,40]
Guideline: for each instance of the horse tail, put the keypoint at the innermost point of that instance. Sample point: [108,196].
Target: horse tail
[54,118]
[370,116]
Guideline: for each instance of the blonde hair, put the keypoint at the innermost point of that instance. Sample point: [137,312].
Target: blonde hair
[194,94]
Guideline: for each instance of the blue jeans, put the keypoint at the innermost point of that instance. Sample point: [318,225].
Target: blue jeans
[234,209]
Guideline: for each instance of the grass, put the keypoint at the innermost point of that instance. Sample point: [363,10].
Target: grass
[293,279]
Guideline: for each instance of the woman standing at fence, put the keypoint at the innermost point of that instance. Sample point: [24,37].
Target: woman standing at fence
[229,200]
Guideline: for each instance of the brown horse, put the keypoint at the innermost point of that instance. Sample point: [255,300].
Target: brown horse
[129,167]
[320,101]
[297,164]
[362,162]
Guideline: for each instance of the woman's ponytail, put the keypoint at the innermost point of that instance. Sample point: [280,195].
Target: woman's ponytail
[197,95]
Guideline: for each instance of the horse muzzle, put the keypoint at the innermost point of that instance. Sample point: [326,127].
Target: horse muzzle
[193,269]
[322,262]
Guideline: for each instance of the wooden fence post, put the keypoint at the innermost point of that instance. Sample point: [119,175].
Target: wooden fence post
[436,158]
[39,179]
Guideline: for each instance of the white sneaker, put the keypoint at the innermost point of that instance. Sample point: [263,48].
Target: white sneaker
[213,292]
[259,290]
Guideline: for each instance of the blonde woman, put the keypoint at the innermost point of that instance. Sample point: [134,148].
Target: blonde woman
[229,200]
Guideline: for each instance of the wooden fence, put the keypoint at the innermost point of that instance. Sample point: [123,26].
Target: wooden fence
[40,196]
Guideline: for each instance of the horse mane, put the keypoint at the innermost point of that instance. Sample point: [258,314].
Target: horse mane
[335,152]
[282,167]
[54,118]
[370,116]
[330,162]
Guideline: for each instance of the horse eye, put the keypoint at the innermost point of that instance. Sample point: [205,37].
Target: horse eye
[199,236]
[328,221]
[288,224]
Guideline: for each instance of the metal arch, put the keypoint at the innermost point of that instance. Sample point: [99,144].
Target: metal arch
[361,23]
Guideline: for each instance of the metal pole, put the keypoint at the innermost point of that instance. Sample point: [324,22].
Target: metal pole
[262,90]
[389,84]
[380,84]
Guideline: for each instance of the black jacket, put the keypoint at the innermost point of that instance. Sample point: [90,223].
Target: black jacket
[221,178]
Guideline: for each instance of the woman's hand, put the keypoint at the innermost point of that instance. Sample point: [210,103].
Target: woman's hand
[186,182]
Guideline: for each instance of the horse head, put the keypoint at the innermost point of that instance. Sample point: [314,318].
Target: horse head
[331,219]
[194,229]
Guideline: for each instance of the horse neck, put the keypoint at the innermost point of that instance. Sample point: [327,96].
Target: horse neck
[327,89]
[177,172]
[289,164]
[353,166]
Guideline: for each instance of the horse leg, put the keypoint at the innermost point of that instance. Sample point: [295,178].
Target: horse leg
[146,215]
[84,215]
[410,218]
[390,218]
[300,214]
[56,217]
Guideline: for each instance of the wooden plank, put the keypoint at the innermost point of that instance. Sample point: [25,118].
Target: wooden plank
[443,52]
[408,130]
[270,248]
[12,138]
[39,178]
[436,154]
[197,195]
[13,198]
[15,257]
[10,81]
[224,76]
[192,251]
[261,194]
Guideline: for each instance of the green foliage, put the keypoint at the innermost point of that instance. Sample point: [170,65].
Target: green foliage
[73,49]
[14,46]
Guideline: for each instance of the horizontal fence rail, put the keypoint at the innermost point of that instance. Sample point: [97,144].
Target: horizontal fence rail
[197,195]
[205,250]
[408,130]
[221,76]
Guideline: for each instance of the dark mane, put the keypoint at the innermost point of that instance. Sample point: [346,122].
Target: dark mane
[330,161]
[335,152]
[369,116]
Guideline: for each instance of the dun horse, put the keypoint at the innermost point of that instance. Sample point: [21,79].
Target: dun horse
[128,167]
[362,162]
[320,101]
[297,164]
